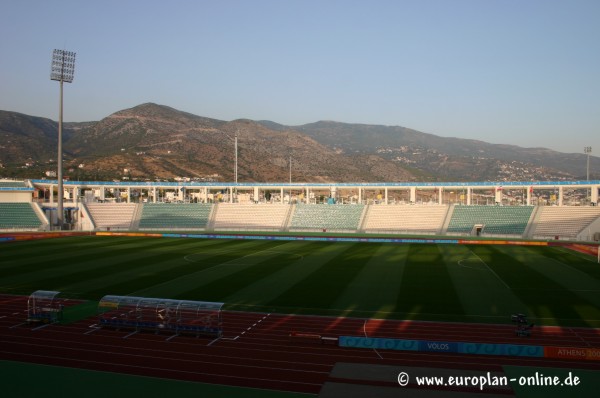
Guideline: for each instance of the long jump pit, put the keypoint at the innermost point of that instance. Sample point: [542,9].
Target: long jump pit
[359,380]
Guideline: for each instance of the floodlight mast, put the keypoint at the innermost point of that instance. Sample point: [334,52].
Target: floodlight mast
[235,148]
[587,150]
[236,156]
[63,69]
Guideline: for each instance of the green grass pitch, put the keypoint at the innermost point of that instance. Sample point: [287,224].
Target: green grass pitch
[443,282]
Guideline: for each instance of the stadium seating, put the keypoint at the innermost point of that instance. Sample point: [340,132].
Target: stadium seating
[18,216]
[329,217]
[112,215]
[426,219]
[563,221]
[497,220]
[233,216]
[165,216]
[13,184]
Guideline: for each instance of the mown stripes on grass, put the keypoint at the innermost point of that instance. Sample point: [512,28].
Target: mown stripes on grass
[256,264]
[413,281]
[426,286]
[322,287]
[527,274]
[377,286]
[253,296]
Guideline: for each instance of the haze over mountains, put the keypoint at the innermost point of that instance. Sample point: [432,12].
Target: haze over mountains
[153,141]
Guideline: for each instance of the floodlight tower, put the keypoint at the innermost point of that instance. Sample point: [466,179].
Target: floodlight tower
[235,148]
[236,156]
[63,69]
[587,150]
[290,201]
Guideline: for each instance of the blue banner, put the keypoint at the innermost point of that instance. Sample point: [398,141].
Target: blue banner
[438,346]
[311,238]
[441,346]
[378,343]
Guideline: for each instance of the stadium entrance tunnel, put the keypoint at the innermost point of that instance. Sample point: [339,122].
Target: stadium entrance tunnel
[199,318]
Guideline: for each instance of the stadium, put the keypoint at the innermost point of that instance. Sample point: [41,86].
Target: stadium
[283,290]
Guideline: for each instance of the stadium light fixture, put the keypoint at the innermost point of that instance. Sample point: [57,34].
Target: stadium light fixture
[63,70]
[235,148]
[236,157]
[587,150]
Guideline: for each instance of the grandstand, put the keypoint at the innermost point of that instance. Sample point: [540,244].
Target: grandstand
[112,215]
[182,216]
[19,216]
[423,219]
[13,184]
[566,222]
[493,220]
[24,206]
[18,212]
[327,218]
[232,216]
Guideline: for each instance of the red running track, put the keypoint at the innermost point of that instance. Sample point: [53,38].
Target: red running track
[256,350]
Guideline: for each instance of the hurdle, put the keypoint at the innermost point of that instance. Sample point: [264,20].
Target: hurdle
[312,338]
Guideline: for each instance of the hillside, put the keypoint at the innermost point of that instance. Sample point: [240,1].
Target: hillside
[25,138]
[153,141]
[451,158]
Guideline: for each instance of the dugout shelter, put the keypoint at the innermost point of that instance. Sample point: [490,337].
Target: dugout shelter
[44,306]
[200,318]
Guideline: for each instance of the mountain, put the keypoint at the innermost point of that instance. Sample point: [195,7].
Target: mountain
[25,138]
[153,141]
[447,157]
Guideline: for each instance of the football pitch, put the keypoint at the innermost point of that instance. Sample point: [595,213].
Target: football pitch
[439,282]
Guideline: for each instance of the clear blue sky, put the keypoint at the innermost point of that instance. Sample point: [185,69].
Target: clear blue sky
[522,72]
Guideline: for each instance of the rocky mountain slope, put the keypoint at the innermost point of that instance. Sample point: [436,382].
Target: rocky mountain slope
[153,141]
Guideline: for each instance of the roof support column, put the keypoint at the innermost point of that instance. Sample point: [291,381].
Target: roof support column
[498,198]
[560,195]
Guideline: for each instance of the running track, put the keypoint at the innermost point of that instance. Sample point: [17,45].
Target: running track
[256,350]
